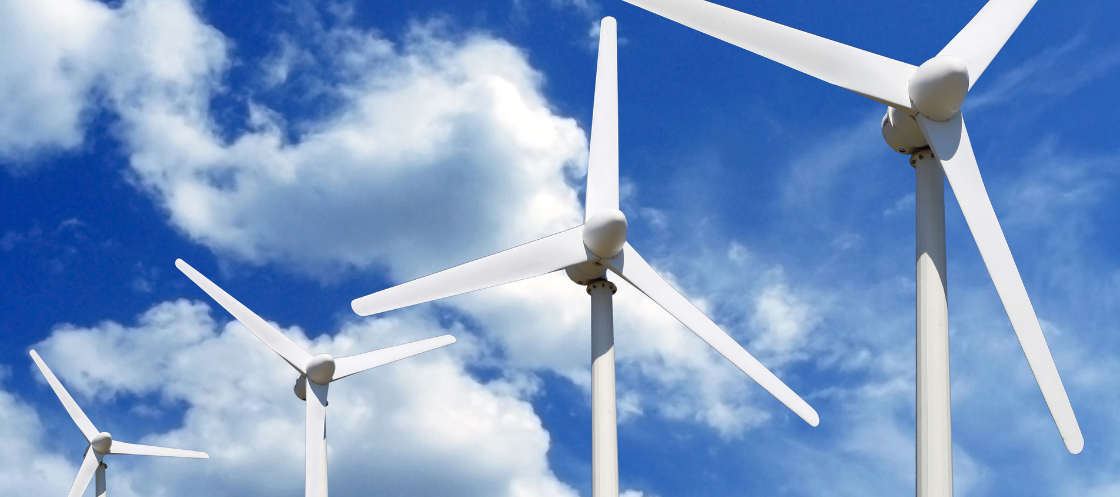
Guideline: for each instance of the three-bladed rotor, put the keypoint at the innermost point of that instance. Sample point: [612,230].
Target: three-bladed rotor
[587,252]
[315,372]
[925,106]
[100,443]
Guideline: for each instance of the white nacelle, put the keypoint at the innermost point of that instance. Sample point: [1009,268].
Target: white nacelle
[902,132]
[101,442]
[586,272]
[301,387]
[907,127]
[320,369]
[894,140]
[605,233]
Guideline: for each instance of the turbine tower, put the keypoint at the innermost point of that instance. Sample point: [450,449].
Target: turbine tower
[315,373]
[923,120]
[100,443]
[586,253]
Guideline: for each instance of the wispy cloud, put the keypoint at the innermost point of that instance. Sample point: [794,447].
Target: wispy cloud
[1055,72]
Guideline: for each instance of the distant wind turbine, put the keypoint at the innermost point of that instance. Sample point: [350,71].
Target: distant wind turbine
[586,253]
[315,373]
[100,443]
[923,113]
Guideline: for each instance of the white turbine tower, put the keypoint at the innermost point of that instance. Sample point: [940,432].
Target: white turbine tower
[100,443]
[924,113]
[315,373]
[586,253]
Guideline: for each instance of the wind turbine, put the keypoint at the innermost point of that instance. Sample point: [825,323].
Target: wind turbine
[924,120]
[315,373]
[100,443]
[586,253]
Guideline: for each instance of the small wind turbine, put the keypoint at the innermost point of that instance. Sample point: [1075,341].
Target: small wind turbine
[586,253]
[315,373]
[923,113]
[100,443]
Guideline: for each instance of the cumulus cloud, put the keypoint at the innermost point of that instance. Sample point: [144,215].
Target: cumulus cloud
[47,77]
[434,139]
[438,142]
[27,469]
[438,148]
[441,148]
[62,56]
[388,427]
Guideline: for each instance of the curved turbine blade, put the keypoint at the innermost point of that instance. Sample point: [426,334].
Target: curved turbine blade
[631,267]
[79,417]
[879,78]
[346,366]
[979,42]
[524,261]
[602,162]
[316,439]
[151,450]
[85,473]
[951,145]
[282,345]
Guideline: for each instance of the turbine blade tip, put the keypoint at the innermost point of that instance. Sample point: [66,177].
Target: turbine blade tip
[812,417]
[1074,445]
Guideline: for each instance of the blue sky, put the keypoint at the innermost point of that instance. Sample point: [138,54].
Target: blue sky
[302,154]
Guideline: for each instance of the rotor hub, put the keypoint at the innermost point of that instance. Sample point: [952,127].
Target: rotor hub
[320,369]
[605,233]
[101,442]
[938,87]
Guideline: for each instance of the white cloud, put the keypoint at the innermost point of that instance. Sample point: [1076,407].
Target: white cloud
[26,469]
[47,77]
[434,140]
[437,142]
[1057,190]
[785,321]
[1056,71]
[60,56]
[442,149]
[388,428]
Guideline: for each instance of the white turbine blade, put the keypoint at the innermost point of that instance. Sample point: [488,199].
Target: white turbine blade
[316,438]
[979,42]
[602,163]
[346,366]
[282,345]
[85,474]
[524,261]
[951,145]
[631,267]
[151,450]
[873,76]
[79,417]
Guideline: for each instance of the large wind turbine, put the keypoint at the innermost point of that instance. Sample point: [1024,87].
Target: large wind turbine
[923,114]
[100,443]
[315,373]
[586,253]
